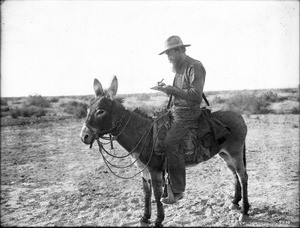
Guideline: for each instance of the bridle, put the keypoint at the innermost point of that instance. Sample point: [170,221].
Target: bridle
[114,132]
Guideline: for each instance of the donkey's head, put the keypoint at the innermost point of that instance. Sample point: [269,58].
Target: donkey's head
[102,112]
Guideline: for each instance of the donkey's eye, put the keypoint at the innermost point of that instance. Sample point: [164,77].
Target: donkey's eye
[100,111]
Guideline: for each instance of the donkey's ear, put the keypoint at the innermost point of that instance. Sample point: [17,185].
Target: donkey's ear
[113,89]
[98,88]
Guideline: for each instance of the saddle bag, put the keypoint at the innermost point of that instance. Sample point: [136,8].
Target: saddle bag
[198,142]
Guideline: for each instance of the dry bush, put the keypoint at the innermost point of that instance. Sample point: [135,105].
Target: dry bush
[143,97]
[273,97]
[295,110]
[38,100]
[4,108]
[53,100]
[3,102]
[218,100]
[27,111]
[78,109]
[248,103]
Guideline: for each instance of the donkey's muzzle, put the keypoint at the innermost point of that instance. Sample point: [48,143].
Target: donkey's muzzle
[86,135]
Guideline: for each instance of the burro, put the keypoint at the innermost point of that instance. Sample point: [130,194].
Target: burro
[134,132]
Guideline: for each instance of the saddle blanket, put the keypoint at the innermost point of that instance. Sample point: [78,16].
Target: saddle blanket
[198,143]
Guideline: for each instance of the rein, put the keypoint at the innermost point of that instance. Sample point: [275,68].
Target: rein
[113,138]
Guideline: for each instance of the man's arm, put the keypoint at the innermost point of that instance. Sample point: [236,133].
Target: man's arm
[196,77]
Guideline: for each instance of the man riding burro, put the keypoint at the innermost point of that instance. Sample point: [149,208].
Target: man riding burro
[184,108]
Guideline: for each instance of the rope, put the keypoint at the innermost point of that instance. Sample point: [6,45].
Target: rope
[111,139]
[106,162]
[119,167]
[131,150]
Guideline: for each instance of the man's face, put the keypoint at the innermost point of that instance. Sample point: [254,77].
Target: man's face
[174,58]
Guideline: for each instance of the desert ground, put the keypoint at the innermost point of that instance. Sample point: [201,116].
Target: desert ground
[50,178]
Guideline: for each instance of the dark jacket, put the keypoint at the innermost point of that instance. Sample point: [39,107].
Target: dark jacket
[188,84]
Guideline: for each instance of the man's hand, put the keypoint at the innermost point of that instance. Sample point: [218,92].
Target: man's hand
[167,89]
[161,83]
[164,88]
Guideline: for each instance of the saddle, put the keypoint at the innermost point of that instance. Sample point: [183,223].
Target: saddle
[198,142]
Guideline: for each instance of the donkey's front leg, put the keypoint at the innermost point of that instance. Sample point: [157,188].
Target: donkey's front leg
[157,182]
[147,198]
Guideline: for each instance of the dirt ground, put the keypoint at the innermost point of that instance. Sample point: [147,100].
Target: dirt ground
[50,178]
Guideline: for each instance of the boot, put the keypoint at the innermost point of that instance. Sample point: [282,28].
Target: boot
[171,197]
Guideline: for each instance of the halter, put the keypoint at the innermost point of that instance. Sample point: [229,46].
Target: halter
[113,135]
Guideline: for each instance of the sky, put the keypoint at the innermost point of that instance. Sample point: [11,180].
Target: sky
[55,48]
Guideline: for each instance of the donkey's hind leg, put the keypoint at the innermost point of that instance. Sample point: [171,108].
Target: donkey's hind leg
[237,186]
[243,177]
[238,160]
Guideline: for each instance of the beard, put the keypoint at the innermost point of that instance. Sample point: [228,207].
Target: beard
[176,64]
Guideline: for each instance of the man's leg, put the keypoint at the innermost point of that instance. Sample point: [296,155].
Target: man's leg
[176,157]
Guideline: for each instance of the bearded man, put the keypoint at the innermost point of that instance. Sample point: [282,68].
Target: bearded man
[184,104]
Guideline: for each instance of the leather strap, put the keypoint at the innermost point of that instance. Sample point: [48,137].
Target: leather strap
[205,99]
[203,96]
[171,96]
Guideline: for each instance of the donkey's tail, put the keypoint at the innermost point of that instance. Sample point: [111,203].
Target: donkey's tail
[244,154]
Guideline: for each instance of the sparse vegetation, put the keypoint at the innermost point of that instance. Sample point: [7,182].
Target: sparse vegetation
[4,108]
[27,111]
[279,101]
[38,100]
[54,100]
[248,103]
[3,102]
[218,100]
[78,109]
[144,97]
[295,110]
[271,96]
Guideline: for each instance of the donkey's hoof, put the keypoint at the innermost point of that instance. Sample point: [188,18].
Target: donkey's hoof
[234,206]
[243,218]
[158,224]
[144,222]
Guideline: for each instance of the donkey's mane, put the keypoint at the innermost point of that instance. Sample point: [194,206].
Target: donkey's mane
[119,99]
[141,112]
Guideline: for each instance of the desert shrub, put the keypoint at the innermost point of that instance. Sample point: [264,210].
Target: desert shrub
[40,112]
[62,105]
[15,113]
[27,111]
[4,108]
[143,97]
[17,102]
[290,90]
[3,102]
[78,109]
[295,110]
[38,101]
[273,97]
[53,100]
[248,103]
[218,100]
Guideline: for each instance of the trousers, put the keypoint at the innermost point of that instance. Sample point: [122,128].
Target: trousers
[183,119]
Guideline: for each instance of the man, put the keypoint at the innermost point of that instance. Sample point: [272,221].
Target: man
[185,99]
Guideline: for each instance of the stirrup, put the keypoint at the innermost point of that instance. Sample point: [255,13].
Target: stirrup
[170,198]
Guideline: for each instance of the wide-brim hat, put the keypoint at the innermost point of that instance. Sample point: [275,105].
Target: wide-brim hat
[173,42]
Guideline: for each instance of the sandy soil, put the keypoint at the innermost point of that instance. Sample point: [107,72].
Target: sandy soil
[50,178]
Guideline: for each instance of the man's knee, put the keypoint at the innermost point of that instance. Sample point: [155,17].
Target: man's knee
[168,141]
